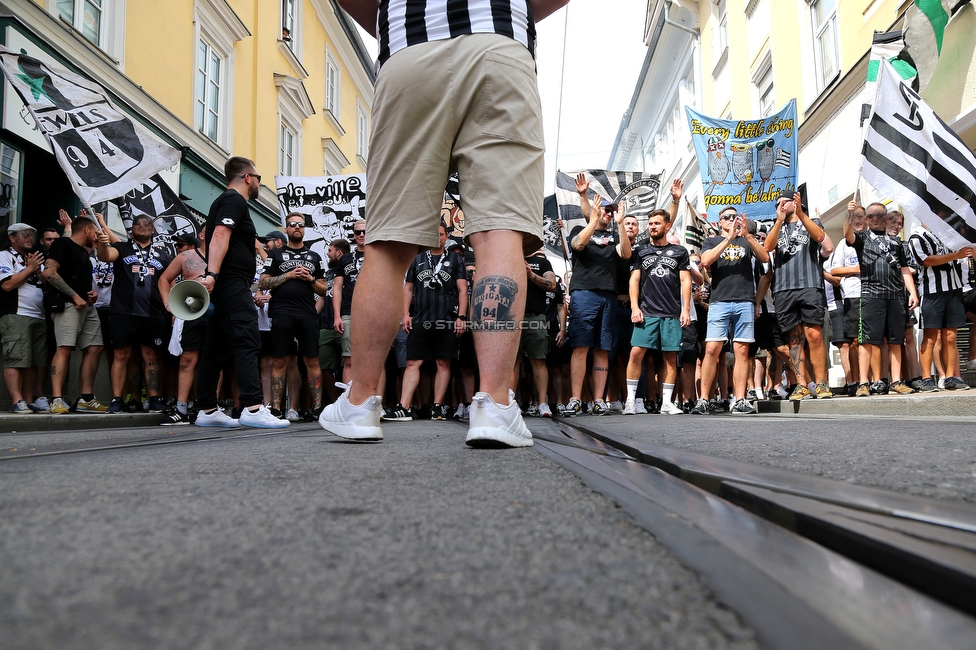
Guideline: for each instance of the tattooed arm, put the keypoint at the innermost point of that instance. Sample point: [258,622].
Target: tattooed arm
[268,282]
[56,281]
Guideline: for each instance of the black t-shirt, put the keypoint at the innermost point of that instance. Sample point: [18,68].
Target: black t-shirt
[594,267]
[535,296]
[660,281]
[732,272]
[348,270]
[293,297]
[135,289]
[435,290]
[555,298]
[230,209]
[327,315]
[74,265]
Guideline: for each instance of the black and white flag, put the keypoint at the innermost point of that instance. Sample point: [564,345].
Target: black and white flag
[913,158]
[156,200]
[103,151]
[638,190]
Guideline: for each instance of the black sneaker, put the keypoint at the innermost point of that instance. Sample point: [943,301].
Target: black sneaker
[700,407]
[438,412]
[116,405]
[928,386]
[133,406]
[172,417]
[955,383]
[879,387]
[157,404]
[399,414]
[275,412]
[237,410]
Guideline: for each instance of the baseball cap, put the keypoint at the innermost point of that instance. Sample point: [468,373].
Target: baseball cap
[274,234]
[187,238]
[19,227]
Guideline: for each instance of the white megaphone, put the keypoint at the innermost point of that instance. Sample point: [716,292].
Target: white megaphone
[189,300]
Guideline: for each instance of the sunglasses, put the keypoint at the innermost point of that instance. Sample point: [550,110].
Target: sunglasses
[727,217]
[359,232]
[257,176]
[296,224]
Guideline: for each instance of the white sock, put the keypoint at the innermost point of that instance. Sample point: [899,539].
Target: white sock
[668,393]
[181,407]
[632,389]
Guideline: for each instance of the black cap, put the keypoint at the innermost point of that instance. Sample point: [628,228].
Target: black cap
[187,238]
[274,234]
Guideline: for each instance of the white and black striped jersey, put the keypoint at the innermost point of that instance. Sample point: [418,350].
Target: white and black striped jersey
[401,23]
[797,260]
[934,279]
[882,259]
[435,290]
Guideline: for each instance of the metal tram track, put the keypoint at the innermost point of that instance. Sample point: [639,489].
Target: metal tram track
[808,562]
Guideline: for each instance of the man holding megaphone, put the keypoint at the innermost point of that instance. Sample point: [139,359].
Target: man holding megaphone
[190,264]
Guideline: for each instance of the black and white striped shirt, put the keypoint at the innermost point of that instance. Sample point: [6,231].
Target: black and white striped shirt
[401,23]
[934,279]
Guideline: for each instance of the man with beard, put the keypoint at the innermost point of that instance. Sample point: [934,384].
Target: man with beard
[292,275]
[138,315]
[230,272]
[660,298]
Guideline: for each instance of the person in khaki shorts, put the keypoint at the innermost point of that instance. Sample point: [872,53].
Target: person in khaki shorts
[489,130]
[68,271]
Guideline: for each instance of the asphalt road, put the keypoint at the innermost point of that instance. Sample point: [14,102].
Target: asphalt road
[301,540]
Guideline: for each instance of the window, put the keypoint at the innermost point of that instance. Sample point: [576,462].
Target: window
[85,16]
[362,131]
[762,80]
[286,151]
[208,96]
[287,20]
[333,82]
[826,51]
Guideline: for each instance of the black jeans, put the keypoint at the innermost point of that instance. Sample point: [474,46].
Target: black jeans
[232,332]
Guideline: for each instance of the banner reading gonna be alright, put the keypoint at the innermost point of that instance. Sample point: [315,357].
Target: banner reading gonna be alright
[745,163]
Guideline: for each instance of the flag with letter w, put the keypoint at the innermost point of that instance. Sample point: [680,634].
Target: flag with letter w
[103,151]
[913,158]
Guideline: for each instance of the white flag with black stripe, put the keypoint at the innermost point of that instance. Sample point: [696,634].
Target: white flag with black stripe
[913,158]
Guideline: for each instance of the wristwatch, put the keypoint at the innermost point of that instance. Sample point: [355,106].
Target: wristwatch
[212,274]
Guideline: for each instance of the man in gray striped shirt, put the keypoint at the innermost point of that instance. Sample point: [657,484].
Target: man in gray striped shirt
[798,289]
[943,309]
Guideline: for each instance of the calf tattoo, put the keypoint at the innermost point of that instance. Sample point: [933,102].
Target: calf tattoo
[493,303]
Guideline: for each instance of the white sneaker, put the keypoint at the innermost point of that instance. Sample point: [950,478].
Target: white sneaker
[544,410]
[639,408]
[781,391]
[616,407]
[261,419]
[292,415]
[971,365]
[216,419]
[670,408]
[942,383]
[630,408]
[533,411]
[461,414]
[492,426]
[352,422]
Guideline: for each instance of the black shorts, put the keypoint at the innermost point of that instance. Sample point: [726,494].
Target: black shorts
[266,347]
[557,356]
[105,318]
[943,310]
[139,330]
[768,335]
[429,340]
[689,343]
[969,299]
[882,318]
[837,328]
[795,306]
[194,333]
[285,330]
[852,318]
[467,357]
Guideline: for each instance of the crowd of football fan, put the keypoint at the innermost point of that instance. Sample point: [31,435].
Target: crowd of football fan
[748,318]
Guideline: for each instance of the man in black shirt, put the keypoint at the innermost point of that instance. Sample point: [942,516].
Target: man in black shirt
[68,271]
[347,272]
[593,297]
[535,327]
[293,274]
[330,341]
[138,315]
[233,327]
[435,299]
[885,275]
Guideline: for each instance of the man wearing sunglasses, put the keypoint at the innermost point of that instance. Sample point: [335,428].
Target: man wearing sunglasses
[293,275]
[232,330]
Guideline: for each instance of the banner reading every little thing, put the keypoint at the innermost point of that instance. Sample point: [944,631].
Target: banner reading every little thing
[745,163]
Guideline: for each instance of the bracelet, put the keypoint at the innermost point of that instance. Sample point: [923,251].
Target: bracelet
[212,274]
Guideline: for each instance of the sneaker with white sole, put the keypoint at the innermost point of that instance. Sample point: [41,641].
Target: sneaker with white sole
[353,422]
[616,406]
[639,407]
[20,408]
[630,408]
[494,427]
[40,405]
[600,408]
[743,407]
[544,410]
[292,415]
[573,409]
[217,419]
[670,408]
[261,419]
[91,406]
[461,414]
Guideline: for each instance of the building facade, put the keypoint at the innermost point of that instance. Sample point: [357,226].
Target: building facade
[288,84]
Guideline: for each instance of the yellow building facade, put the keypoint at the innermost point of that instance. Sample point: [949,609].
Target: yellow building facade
[288,84]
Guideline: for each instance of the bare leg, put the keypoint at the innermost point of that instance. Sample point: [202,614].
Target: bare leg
[740,371]
[12,377]
[153,371]
[441,379]
[378,300]
[818,351]
[278,371]
[314,380]
[188,368]
[59,370]
[709,368]
[89,366]
[578,371]
[600,360]
[120,368]
[411,378]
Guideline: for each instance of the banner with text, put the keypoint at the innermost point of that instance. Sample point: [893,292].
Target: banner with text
[331,206]
[746,163]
